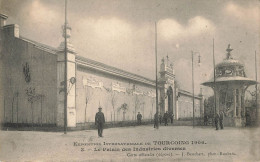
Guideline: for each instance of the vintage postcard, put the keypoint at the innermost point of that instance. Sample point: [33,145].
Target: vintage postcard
[129,80]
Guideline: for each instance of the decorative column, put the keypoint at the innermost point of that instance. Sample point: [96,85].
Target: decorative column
[166,98]
[71,75]
[201,104]
[217,100]
[243,103]
[239,103]
[234,102]
[176,116]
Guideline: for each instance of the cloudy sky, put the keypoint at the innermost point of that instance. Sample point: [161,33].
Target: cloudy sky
[121,32]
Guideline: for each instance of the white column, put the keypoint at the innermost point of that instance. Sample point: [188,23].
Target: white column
[165,100]
[217,101]
[239,102]
[234,102]
[243,103]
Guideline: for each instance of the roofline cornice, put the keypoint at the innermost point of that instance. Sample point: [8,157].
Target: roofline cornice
[88,63]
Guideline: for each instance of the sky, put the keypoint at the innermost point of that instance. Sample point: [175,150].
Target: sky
[121,33]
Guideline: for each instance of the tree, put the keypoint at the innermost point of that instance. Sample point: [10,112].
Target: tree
[113,102]
[136,104]
[88,96]
[123,107]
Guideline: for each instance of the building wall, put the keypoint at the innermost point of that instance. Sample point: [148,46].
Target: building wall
[37,101]
[103,95]
[185,106]
[16,54]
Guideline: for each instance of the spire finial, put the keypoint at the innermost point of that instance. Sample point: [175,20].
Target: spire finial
[167,57]
[229,49]
[163,60]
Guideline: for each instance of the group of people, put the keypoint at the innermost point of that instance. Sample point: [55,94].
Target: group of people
[100,120]
[218,120]
[158,118]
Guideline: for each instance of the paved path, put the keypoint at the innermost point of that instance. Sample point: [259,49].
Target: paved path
[230,144]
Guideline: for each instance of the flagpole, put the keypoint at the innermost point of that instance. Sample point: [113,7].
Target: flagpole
[257,111]
[65,71]
[192,89]
[156,81]
[215,103]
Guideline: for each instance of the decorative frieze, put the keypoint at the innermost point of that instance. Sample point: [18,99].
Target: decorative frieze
[150,94]
[118,88]
[137,92]
[92,82]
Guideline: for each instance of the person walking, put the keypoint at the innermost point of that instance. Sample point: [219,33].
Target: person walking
[160,118]
[216,121]
[221,118]
[155,120]
[172,116]
[165,118]
[100,121]
[139,118]
[206,118]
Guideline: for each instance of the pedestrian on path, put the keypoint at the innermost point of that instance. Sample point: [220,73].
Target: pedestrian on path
[172,116]
[216,121]
[160,118]
[206,118]
[139,118]
[155,120]
[100,121]
[221,118]
[165,118]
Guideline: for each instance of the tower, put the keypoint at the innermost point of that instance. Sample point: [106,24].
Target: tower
[70,80]
[167,100]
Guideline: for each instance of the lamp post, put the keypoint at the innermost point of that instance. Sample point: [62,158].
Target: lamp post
[257,111]
[193,104]
[65,71]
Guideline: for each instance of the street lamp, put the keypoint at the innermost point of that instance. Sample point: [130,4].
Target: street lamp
[192,53]
[65,70]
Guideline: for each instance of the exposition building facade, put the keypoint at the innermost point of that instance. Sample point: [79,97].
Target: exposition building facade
[32,81]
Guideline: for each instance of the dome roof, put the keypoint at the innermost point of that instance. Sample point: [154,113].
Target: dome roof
[229,62]
[230,71]
[236,79]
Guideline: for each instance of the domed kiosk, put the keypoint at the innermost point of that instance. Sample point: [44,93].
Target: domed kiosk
[230,85]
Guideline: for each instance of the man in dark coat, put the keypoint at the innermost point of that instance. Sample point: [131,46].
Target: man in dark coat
[156,120]
[221,118]
[172,116]
[100,121]
[216,121]
[160,118]
[139,118]
[206,120]
[165,118]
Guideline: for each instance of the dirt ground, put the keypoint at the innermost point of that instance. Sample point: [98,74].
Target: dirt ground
[142,143]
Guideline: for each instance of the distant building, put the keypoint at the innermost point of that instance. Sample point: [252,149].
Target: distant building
[32,81]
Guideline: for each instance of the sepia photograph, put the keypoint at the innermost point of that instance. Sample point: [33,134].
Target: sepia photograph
[129,80]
